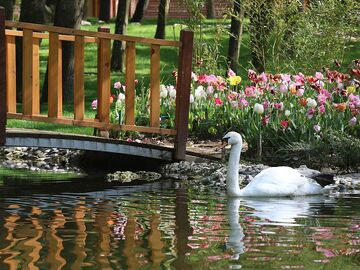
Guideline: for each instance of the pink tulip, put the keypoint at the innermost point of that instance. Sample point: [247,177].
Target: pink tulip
[231,73]
[279,106]
[285,77]
[284,123]
[265,120]
[300,92]
[321,98]
[94,104]
[321,109]
[252,75]
[319,76]
[283,88]
[243,102]
[218,102]
[250,91]
[266,104]
[310,113]
[263,77]
[352,121]
[317,128]
[117,85]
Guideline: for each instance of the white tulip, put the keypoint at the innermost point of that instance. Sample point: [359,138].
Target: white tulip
[191,98]
[121,97]
[163,91]
[200,92]
[311,102]
[258,108]
[172,91]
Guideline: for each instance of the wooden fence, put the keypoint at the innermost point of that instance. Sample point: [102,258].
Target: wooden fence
[33,33]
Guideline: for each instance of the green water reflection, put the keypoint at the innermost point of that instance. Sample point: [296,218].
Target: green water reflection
[91,224]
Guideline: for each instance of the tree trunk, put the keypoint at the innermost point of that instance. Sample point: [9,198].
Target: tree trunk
[31,11]
[210,9]
[161,20]
[122,18]
[9,8]
[140,9]
[261,24]
[235,36]
[104,13]
[68,13]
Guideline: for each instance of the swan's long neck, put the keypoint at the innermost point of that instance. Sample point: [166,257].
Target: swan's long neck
[232,177]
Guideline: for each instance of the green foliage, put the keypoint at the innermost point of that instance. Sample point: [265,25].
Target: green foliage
[312,38]
[208,38]
[338,149]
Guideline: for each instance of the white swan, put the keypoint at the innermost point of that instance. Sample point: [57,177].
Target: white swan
[271,182]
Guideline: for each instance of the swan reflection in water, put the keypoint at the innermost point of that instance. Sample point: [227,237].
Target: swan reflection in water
[271,211]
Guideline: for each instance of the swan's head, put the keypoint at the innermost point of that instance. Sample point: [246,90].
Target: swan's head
[231,138]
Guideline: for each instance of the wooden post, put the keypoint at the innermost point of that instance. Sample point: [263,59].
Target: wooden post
[155,86]
[27,76]
[79,92]
[55,76]
[10,74]
[130,83]
[183,93]
[36,76]
[103,94]
[2,78]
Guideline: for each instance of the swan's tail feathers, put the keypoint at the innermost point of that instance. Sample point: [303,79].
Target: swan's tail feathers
[324,179]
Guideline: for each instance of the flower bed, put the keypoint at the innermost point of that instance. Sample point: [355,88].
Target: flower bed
[271,110]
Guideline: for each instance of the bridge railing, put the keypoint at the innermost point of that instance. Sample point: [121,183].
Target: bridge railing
[31,35]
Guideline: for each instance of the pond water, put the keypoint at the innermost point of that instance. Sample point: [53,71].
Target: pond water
[48,223]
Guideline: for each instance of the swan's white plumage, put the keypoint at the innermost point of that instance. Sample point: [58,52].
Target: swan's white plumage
[271,182]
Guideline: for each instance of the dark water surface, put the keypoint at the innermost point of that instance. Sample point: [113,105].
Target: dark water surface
[91,224]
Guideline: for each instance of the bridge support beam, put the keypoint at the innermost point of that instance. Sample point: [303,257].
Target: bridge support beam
[183,93]
[2,78]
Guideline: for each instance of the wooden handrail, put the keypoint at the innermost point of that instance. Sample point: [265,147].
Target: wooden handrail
[77,32]
[39,35]
[31,81]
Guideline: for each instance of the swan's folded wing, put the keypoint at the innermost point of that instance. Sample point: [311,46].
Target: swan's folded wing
[275,181]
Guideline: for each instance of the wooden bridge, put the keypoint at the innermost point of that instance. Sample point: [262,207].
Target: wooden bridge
[31,35]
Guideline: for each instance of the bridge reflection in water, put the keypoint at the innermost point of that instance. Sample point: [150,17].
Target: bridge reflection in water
[99,230]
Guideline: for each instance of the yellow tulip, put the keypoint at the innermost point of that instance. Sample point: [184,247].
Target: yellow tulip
[234,80]
[350,89]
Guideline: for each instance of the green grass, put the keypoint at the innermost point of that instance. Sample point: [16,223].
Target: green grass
[27,174]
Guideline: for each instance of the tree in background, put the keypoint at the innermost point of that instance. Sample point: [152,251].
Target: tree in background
[260,28]
[31,11]
[9,8]
[161,20]
[118,49]
[104,13]
[210,9]
[140,9]
[68,13]
[235,36]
